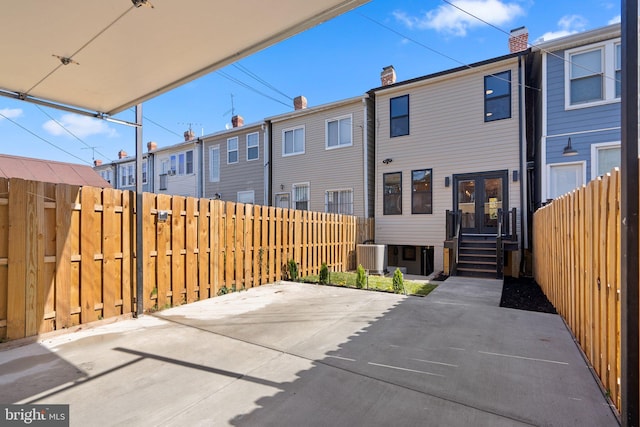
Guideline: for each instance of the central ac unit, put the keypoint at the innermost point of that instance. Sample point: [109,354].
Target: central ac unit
[372,258]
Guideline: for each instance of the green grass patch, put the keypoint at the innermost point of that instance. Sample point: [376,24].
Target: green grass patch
[379,283]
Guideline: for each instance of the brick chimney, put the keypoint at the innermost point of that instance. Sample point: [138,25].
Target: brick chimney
[189,135]
[518,40]
[299,102]
[151,146]
[97,162]
[237,121]
[388,76]
[122,154]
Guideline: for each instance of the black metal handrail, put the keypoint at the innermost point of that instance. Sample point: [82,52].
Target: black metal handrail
[499,249]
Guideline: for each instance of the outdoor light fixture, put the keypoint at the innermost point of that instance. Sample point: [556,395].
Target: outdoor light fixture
[218,196]
[446,181]
[515,175]
[387,161]
[569,150]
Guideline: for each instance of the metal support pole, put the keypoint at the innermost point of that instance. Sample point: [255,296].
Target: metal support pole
[139,241]
[629,214]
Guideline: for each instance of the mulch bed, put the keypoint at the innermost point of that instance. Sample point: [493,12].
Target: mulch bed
[525,294]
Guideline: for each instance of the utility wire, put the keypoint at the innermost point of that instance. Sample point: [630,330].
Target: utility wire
[42,139]
[530,44]
[71,133]
[245,85]
[464,64]
[260,80]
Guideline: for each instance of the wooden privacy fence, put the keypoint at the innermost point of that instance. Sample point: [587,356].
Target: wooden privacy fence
[67,253]
[577,265]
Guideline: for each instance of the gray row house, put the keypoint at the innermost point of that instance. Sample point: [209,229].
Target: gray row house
[451,165]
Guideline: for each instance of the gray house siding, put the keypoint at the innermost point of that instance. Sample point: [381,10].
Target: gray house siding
[336,169]
[244,175]
[449,135]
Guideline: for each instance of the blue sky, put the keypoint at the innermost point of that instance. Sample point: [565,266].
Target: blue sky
[338,59]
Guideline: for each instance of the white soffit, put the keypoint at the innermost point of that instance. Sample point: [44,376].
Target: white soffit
[122,55]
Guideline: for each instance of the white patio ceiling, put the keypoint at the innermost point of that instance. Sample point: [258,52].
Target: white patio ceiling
[118,55]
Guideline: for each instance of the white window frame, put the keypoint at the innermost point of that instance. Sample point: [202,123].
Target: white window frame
[338,191]
[607,49]
[244,193]
[213,176]
[293,195]
[326,132]
[236,150]
[256,146]
[173,164]
[145,171]
[187,164]
[594,155]
[277,196]
[583,174]
[293,129]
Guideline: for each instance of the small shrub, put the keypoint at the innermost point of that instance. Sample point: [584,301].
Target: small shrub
[361,277]
[398,282]
[323,279]
[293,270]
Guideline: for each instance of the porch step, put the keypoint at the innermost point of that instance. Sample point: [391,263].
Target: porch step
[477,256]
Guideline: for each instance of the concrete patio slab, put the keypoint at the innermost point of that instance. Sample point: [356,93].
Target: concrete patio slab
[299,354]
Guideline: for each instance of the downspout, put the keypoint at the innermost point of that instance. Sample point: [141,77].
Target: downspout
[270,162]
[202,171]
[365,150]
[266,165]
[197,147]
[523,176]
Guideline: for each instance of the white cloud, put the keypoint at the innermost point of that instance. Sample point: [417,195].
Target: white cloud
[80,126]
[10,113]
[615,20]
[567,25]
[451,20]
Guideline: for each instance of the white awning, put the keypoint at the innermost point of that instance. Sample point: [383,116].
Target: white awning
[107,55]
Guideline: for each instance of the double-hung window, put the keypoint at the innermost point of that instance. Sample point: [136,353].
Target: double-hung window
[392,193]
[131,172]
[232,150]
[253,146]
[586,77]
[301,196]
[604,157]
[399,115]
[246,196]
[421,192]
[173,168]
[189,165]
[214,163]
[339,201]
[497,96]
[338,132]
[618,69]
[181,164]
[593,74]
[293,141]
[144,172]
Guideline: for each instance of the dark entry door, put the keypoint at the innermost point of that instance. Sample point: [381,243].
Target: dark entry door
[479,196]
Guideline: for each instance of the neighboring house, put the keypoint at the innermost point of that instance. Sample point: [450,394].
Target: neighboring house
[235,163]
[178,168]
[319,158]
[121,173]
[580,123]
[453,141]
[49,171]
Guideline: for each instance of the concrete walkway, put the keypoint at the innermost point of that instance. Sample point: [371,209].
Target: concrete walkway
[306,355]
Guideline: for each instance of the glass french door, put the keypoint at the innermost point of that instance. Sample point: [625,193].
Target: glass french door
[478,197]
